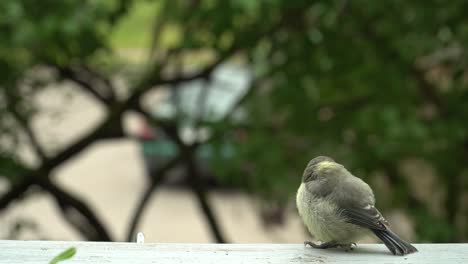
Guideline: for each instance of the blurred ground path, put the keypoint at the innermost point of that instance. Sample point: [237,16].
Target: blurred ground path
[110,176]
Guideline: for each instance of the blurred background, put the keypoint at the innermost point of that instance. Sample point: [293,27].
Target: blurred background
[192,120]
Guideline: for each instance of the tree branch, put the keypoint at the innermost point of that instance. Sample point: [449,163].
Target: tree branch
[24,124]
[157,28]
[156,177]
[186,154]
[65,200]
[30,134]
[107,90]
[88,224]
[15,192]
[138,212]
[200,192]
[85,83]
[52,163]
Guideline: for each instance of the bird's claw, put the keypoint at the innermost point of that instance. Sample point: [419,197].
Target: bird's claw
[348,247]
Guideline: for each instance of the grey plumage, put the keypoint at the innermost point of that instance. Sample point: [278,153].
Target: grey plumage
[338,207]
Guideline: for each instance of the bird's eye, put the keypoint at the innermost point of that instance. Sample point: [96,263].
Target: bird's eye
[309,177]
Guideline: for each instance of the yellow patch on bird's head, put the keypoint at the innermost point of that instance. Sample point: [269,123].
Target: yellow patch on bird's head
[325,164]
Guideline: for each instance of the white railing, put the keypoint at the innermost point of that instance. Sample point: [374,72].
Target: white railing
[34,252]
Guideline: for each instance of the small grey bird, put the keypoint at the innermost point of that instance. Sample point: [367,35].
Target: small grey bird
[338,208]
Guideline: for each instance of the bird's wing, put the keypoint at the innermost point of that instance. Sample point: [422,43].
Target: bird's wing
[356,203]
[367,216]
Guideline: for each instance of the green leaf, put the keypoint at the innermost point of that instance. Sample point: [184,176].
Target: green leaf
[67,254]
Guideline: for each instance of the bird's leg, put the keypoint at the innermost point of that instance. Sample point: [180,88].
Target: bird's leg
[329,244]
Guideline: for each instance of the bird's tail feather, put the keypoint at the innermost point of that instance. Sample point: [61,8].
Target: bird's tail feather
[395,244]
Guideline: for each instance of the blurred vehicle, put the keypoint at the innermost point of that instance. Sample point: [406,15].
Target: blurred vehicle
[192,104]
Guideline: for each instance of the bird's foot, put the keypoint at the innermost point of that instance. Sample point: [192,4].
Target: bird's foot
[331,244]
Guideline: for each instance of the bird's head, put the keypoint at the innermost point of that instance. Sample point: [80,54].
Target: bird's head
[315,166]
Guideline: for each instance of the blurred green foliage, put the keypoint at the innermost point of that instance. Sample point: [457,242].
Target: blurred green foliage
[140,16]
[370,83]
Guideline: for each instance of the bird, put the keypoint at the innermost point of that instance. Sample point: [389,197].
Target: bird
[338,208]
